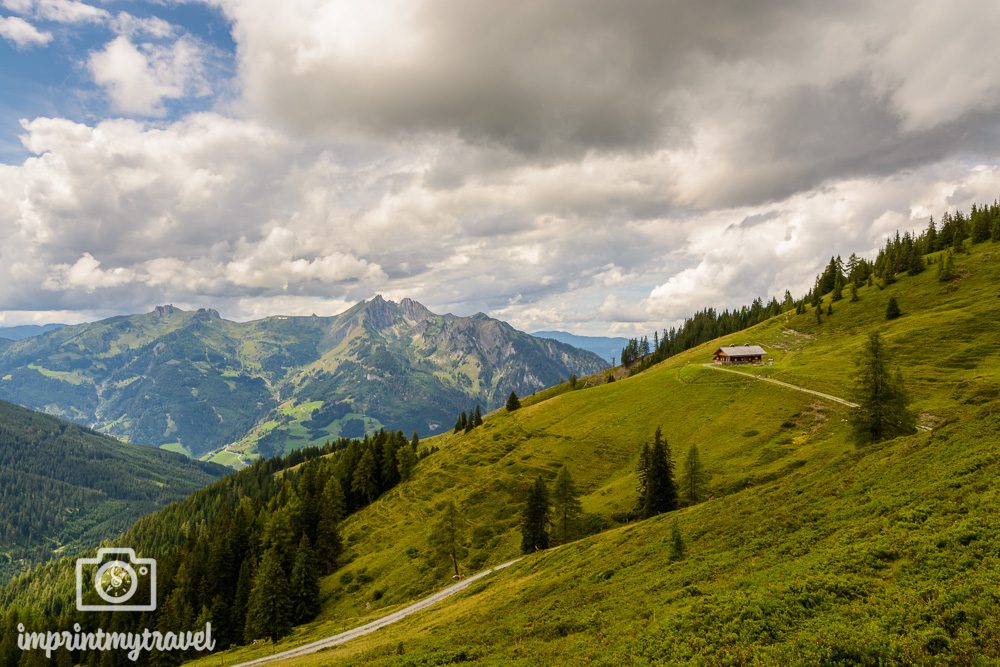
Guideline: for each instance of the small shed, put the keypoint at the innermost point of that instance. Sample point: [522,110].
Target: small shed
[740,354]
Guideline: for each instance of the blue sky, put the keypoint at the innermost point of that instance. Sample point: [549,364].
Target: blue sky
[54,79]
[600,168]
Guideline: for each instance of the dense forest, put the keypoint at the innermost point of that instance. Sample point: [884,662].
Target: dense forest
[246,553]
[63,486]
[900,254]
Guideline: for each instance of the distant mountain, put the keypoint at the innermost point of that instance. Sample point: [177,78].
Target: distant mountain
[65,487]
[27,330]
[197,383]
[602,346]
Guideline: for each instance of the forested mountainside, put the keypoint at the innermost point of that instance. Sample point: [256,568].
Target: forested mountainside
[64,487]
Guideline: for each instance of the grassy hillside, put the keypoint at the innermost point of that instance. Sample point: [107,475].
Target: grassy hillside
[811,549]
[64,487]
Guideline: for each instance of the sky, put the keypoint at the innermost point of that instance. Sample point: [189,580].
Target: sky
[597,167]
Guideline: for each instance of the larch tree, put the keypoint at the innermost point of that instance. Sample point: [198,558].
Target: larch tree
[883,405]
[694,478]
[566,506]
[447,536]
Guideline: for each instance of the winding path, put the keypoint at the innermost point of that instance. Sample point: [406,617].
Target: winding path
[368,628]
[828,397]
[820,394]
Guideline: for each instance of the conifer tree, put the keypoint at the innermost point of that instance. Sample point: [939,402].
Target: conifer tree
[304,583]
[661,489]
[535,518]
[676,542]
[838,289]
[406,460]
[365,479]
[478,418]
[447,534]
[819,314]
[915,263]
[883,410]
[269,609]
[513,403]
[329,513]
[829,309]
[854,292]
[995,229]
[694,479]
[642,472]
[946,267]
[892,309]
[566,505]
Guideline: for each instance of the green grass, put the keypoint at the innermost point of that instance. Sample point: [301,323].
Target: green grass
[72,377]
[811,550]
[177,447]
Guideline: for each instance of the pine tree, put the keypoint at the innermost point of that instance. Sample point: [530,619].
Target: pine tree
[642,473]
[883,410]
[513,403]
[535,518]
[788,303]
[892,309]
[829,309]
[304,583]
[478,417]
[819,314]
[269,609]
[854,293]
[946,267]
[661,490]
[694,479]
[447,534]
[566,504]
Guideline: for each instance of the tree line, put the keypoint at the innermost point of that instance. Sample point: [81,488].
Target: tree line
[901,253]
[246,553]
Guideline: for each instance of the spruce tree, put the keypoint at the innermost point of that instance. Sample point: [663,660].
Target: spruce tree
[406,460]
[535,518]
[819,314]
[694,479]
[478,418]
[676,542]
[513,403]
[829,309]
[854,293]
[566,506]
[446,536]
[883,410]
[838,289]
[995,229]
[304,583]
[269,609]
[915,263]
[642,472]
[946,267]
[892,309]
[661,490]
[329,513]
[365,479]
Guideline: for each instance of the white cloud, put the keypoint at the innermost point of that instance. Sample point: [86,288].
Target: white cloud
[86,273]
[21,33]
[138,79]
[60,11]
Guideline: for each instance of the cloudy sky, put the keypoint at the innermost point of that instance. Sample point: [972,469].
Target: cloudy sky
[602,167]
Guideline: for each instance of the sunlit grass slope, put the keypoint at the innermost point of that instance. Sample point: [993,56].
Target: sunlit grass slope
[810,549]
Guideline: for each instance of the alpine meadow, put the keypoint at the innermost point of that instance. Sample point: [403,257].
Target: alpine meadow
[469,332]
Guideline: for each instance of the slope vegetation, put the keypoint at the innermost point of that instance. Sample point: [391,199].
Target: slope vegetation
[810,549]
[65,487]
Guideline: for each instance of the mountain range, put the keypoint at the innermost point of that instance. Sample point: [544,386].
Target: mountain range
[27,330]
[603,346]
[196,383]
